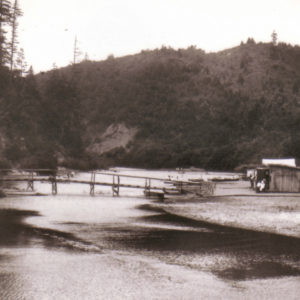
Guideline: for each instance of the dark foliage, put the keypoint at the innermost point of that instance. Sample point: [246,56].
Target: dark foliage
[215,111]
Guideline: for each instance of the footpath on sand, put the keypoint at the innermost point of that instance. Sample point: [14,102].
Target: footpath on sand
[235,204]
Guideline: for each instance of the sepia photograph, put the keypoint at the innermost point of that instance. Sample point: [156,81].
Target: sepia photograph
[149,150]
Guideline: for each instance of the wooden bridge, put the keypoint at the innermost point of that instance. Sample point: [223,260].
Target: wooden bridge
[113,180]
[53,177]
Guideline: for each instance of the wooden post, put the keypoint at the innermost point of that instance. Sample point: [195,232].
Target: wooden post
[116,185]
[92,184]
[30,182]
[147,187]
[181,187]
[54,184]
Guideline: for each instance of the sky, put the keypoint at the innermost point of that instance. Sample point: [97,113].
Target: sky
[48,28]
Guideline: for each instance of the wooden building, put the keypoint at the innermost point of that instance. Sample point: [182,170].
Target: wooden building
[284,179]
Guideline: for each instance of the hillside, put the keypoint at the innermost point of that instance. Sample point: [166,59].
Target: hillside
[159,109]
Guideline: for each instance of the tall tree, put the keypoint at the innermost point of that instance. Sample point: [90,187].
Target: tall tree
[21,63]
[274,37]
[16,12]
[5,13]
[76,51]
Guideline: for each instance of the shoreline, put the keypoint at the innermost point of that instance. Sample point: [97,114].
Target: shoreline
[235,205]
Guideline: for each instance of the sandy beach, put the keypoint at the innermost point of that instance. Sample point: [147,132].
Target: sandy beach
[235,204]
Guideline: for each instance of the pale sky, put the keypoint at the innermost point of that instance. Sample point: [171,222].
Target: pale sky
[48,27]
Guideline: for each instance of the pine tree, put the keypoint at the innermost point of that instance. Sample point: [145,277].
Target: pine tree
[21,63]
[5,15]
[76,51]
[274,37]
[16,12]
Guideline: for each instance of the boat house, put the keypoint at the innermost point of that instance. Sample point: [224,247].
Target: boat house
[281,175]
[284,179]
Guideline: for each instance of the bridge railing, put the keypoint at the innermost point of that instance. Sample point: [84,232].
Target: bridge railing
[55,176]
[151,185]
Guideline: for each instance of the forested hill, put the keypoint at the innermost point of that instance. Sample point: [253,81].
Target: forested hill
[158,109]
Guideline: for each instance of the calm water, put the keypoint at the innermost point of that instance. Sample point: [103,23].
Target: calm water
[73,246]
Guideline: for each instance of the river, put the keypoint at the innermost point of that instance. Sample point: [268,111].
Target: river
[74,246]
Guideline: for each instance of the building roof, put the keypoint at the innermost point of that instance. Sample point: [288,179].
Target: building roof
[288,162]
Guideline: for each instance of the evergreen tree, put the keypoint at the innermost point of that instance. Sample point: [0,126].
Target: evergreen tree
[16,12]
[5,14]
[21,64]
[274,37]
[76,51]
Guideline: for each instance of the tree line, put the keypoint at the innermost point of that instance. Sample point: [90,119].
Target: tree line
[40,124]
[189,108]
[11,55]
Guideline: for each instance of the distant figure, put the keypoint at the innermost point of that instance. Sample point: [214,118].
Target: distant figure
[268,179]
[252,179]
[261,185]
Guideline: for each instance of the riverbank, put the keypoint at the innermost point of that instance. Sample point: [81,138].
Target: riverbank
[122,248]
[235,204]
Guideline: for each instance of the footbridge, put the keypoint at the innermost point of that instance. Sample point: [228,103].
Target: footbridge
[152,186]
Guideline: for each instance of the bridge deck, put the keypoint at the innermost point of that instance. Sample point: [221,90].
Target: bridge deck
[34,175]
[59,180]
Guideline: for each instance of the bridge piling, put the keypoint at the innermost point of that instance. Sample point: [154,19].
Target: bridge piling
[116,185]
[30,185]
[54,184]
[92,184]
[147,187]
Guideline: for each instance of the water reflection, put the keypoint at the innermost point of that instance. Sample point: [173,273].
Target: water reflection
[253,254]
[14,232]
